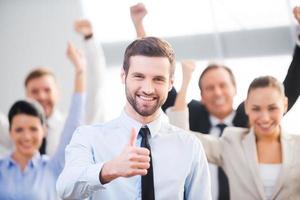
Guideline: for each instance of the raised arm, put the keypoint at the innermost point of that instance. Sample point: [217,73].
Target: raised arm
[77,58]
[188,67]
[76,110]
[5,141]
[178,114]
[96,70]
[212,147]
[292,80]
[137,13]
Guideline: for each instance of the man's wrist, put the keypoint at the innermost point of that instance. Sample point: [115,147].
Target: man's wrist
[88,36]
[106,175]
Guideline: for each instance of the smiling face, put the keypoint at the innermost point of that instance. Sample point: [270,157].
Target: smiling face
[27,133]
[44,90]
[146,85]
[217,92]
[265,107]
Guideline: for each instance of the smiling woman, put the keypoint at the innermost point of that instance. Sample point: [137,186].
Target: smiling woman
[27,129]
[25,173]
[265,106]
[260,160]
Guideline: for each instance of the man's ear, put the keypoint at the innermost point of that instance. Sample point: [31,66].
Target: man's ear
[123,75]
[171,84]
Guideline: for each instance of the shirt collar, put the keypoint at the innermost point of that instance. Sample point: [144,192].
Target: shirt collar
[153,126]
[227,120]
[9,161]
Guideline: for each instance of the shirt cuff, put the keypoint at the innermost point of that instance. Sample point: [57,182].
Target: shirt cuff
[93,176]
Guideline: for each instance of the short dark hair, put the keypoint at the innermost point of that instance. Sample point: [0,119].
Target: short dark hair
[266,81]
[27,107]
[37,73]
[152,47]
[213,66]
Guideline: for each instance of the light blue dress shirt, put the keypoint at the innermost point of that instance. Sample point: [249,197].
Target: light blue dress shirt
[179,163]
[37,181]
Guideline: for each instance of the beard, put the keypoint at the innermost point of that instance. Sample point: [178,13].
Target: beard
[143,109]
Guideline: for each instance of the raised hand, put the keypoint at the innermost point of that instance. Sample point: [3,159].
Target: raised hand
[296,12]
[76,57]
[188,67]
[131,162]
[83,27]
[138,12]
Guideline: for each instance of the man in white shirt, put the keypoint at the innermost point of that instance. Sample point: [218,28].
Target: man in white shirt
[112,161]
[41,85]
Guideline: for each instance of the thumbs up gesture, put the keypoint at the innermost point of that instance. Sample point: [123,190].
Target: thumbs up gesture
[132,161]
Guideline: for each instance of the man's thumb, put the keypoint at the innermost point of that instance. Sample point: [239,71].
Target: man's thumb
[133,136]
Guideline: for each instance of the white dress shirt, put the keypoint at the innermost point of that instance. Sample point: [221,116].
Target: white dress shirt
[55,124]
[179,164]
[269,174]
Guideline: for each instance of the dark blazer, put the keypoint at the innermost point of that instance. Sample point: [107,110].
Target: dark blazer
[199,116]
[170,100]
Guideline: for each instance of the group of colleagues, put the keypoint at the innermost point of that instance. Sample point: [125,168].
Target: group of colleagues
[140,155]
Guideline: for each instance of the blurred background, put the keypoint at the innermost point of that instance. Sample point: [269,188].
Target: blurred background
[251,37]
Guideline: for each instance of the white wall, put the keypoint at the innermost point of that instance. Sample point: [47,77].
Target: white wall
[35,32]
[32,33]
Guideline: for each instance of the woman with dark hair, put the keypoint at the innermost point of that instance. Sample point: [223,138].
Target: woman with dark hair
[261,162]
[25,174]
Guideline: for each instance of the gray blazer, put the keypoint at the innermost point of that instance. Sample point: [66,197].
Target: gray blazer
[236,153]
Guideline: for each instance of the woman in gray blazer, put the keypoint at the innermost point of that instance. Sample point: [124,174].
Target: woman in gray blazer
[261,162]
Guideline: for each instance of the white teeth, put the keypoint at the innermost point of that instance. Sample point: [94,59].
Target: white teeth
[265,126]
[146,98]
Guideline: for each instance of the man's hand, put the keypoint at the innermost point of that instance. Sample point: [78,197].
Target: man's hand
[297,13]
[83,27]
[131,162]
[137,13]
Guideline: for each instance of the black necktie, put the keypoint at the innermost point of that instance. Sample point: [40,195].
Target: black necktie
[222,178]
[147,180]
[221,126]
